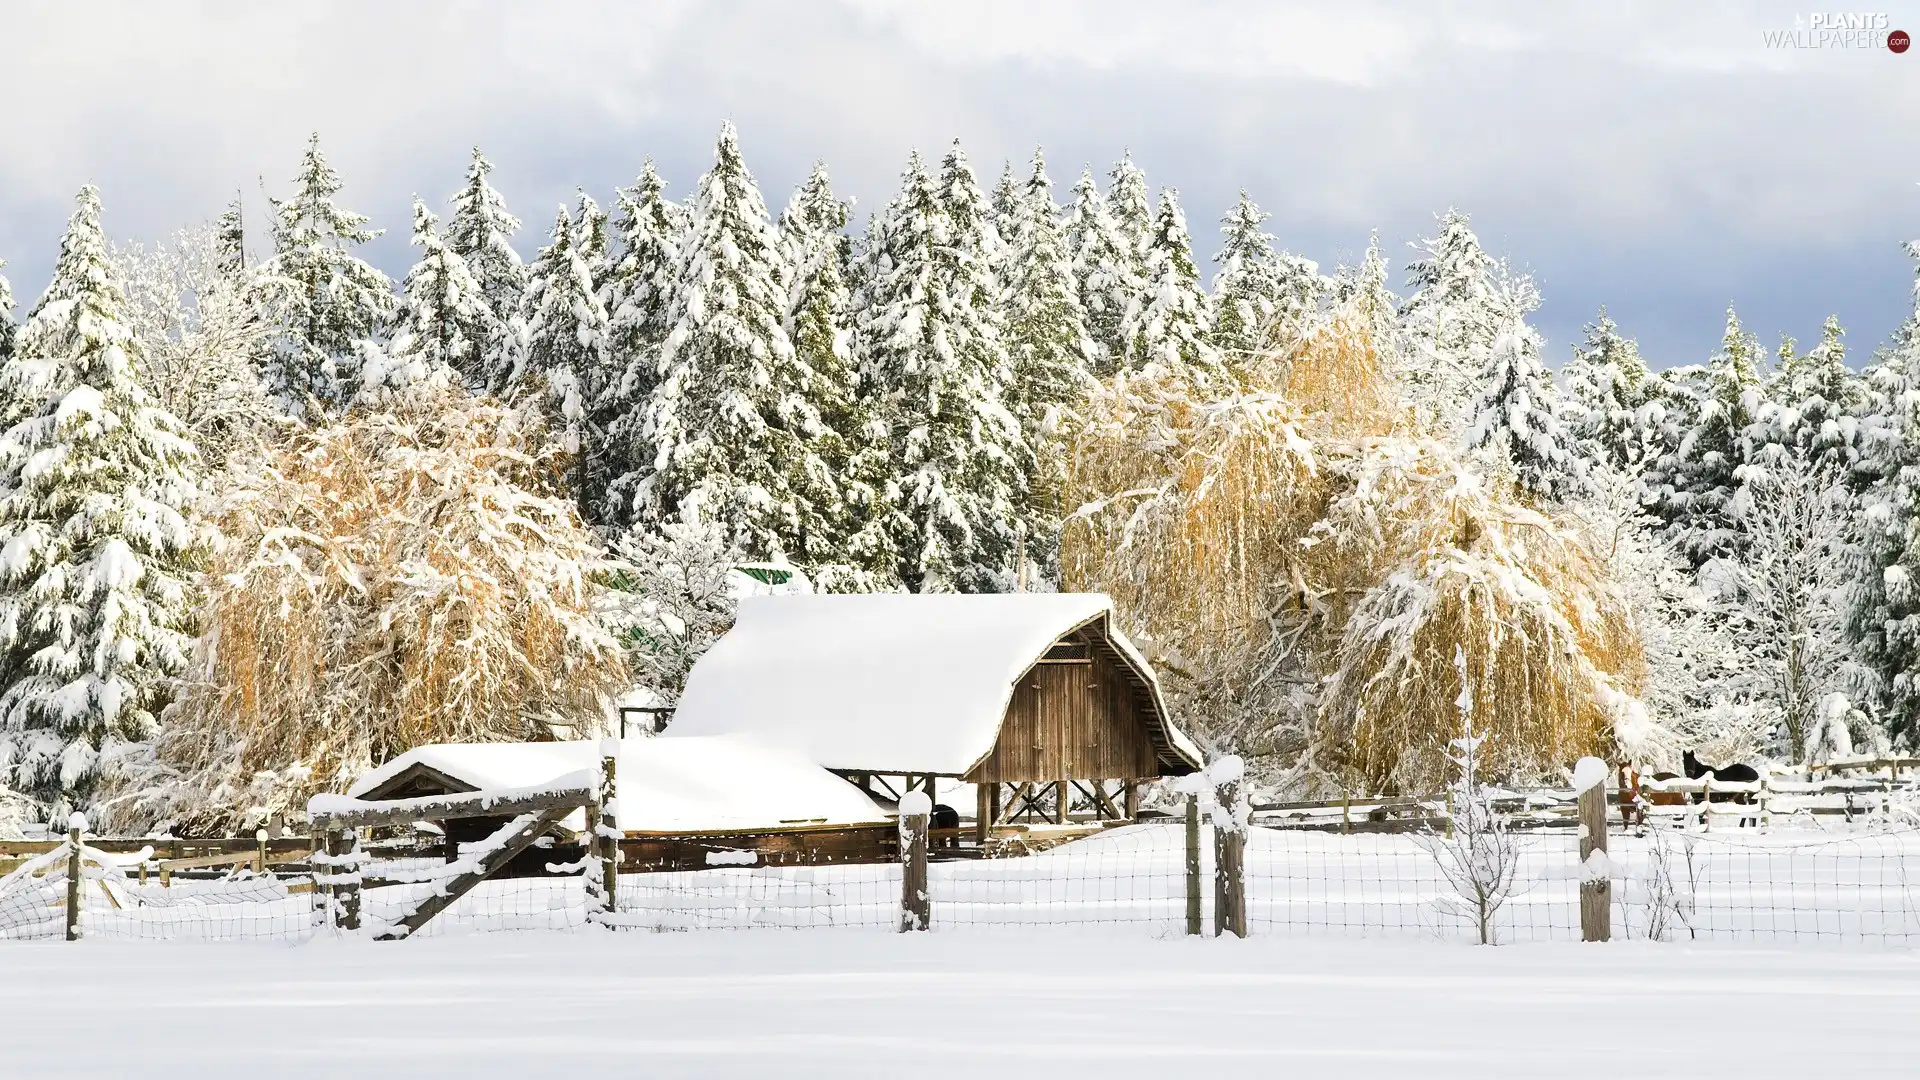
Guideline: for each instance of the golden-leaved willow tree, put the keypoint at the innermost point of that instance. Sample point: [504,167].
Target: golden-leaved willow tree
[1304,565]
[406,575]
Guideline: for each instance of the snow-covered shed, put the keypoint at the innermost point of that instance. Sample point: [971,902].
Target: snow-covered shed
[728,782]
[1036,697]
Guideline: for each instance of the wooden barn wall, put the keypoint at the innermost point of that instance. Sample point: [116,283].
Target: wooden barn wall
[1075,721]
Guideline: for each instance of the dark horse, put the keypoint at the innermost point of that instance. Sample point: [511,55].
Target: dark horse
[1732,774]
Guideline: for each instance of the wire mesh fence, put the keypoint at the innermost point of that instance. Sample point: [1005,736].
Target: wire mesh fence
[837,897]
[1780,888]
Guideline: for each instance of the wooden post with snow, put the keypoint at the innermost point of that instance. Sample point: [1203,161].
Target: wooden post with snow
[343,878]
[916,906]
[1596,876]
[259,852]
[76,874]
[1229,846]
[605,831]
[1193,865]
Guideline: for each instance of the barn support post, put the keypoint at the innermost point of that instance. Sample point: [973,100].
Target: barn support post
[983,811]
[916,906]
[606,833]
[1596,881]
[1193,865]
[76,874]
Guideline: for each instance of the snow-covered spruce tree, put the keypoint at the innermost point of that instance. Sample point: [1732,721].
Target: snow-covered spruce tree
[1516,414]
[567,350]
[1812,404]
[7,330]
[481,233]
[405,575]
[672,597]
[1169,325]
[1612,402]
[639,299]
[440,305]
[94,538]
[1052,357]
[732,422]
[1007,192]
[336,300]
[1259,292]
[1133,213]
[205,330]
[230,238]
[844,556]
[931,353]
[1449,320]
[1105,269]
[1693,486]
[1363,295]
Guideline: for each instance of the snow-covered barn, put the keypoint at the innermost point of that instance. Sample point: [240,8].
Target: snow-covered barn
[1037,698]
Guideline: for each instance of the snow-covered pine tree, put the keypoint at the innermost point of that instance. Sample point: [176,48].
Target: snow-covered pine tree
[1051,355]
[440,305]
[481,232]
[230,237]
[1612,404]
[568,343]
[732,422]
[93,534]
[1363,290]
[1692,487]
[1133,212]
[931,354]
[1811,404]
[1450,320]
[1104,268]
[1007,197]
[1170,323]
[1516,414]
[1259,290]
[1882,603]
[840,557]
[640,290]
[337,300]
[7,329]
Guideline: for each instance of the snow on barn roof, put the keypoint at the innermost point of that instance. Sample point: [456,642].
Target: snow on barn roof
[887,682]
[664,785]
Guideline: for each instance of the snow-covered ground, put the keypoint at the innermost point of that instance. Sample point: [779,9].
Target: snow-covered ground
[525,1006]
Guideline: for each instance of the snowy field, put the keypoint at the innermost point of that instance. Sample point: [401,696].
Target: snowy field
[522,1006]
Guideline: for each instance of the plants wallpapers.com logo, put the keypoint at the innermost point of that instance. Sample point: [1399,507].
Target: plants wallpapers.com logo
[1840,30]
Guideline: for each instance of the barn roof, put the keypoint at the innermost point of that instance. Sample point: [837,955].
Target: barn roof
[665,785]
[892,682]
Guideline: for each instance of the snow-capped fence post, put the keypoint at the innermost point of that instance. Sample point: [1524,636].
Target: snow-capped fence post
[76,873]
[916,906]
[1193,865]
[343,879]
[259,852]
[606,834]
[1596,876]
[1230,813]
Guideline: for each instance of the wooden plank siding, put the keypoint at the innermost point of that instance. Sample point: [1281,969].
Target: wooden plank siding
[1073,719]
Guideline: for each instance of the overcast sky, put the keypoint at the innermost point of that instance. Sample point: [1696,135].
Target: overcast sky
[1660,159]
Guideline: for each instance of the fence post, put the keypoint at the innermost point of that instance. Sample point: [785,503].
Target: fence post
[1596,889]
[1229,880]
[343,873]
[1193,865]
[916,907]
[260,852]
[76,874]
[605,830]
